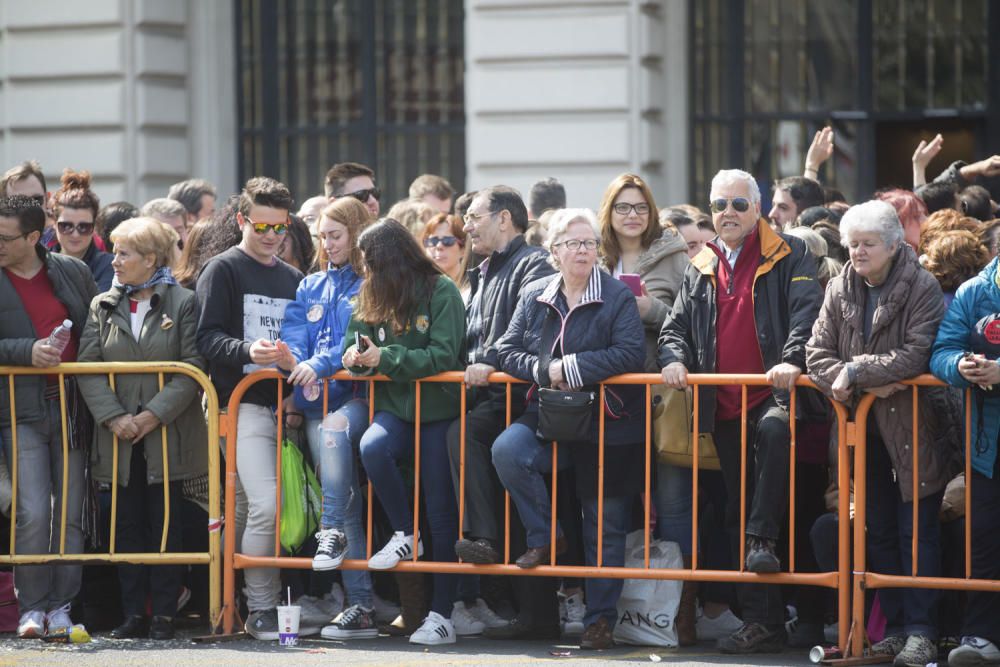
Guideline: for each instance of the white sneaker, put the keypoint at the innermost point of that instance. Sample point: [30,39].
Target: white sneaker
[385,611]
[974,651]
[31,625]
[716,628]
[399,547]
[465,623]
[575,611]
[487,616]
[435,630]
[58,620]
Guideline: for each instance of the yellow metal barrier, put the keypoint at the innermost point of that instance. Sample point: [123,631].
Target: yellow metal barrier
[113,369]
[839,580]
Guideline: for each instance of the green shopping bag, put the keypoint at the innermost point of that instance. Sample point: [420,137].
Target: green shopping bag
[301,498]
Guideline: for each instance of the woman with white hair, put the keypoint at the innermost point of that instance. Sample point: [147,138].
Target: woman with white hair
[876,327]
[571,331]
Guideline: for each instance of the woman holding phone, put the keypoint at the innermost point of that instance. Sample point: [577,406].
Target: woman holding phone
[410,322]
[651,260]
[315,329]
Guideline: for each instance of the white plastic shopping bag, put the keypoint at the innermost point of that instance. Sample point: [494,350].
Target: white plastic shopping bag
[647,608]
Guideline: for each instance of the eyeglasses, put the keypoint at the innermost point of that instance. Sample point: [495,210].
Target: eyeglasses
[362,195]
[262,227]
[574,244]
[623,208]
[40,199]
[81,228]
[740,204]
[446,241]
[473,218]
[8,239]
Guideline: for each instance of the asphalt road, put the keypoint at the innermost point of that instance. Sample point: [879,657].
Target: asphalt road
[183,652]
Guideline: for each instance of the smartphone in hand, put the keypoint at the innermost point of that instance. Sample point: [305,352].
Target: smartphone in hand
[360,343]
[634,282]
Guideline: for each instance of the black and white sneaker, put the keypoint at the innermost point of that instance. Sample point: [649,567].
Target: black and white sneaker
[399,547]
[355,622]
[263,624]
[330,549]
[435,630]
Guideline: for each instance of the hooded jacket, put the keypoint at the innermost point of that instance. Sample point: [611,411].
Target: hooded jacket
[975,299]
[314,328]
[906,319]
[786,300]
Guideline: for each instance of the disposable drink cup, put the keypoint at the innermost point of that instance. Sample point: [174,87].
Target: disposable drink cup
[288,625]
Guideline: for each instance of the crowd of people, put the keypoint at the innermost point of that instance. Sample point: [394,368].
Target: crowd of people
[858,298]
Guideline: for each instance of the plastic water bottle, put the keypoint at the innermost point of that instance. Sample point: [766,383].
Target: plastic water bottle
[59,338]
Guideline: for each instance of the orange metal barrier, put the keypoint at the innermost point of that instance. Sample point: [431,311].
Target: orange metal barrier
[839,580]
[862,579]
[112,369]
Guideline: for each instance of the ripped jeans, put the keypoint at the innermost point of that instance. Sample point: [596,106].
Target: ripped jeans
[333,443]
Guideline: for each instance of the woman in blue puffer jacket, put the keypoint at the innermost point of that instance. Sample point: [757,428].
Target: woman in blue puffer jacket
[965,354]
[314,328]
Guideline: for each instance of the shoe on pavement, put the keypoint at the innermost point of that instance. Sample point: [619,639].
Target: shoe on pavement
[598,636]
[399,547]
[58,621]
[761,557]
[753,638]
[330,550]
[263,624]
[133,627]
[572,610]
[161,628]
[712,629]
[918,652]
[466,624]
[435,630]
[487,616]
[974,651]
[355,622]
[890,645]
[31,625]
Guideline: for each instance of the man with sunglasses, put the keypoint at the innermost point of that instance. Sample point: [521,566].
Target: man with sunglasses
[243,293]
[495,224]
[350,179]
[747,305]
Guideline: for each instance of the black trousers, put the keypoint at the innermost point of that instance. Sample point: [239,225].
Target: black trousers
[139,529]
[768,440]
[982,611]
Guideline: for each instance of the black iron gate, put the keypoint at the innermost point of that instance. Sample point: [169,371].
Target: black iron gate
[372,81]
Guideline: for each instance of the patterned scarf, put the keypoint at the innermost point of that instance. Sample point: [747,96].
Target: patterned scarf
[162,276]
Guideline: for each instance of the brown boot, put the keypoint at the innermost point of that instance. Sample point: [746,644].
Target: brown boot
[686,612]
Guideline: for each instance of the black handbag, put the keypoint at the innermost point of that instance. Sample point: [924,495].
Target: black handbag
[563,416]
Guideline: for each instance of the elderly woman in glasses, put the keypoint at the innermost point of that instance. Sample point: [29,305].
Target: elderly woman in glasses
[876,327]
[591,324]
[161,431]
[443,238]
[75,207]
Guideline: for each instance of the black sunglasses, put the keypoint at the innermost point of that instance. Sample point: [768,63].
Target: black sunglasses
[81,228]
[362,195]
[446,241]
[740,204]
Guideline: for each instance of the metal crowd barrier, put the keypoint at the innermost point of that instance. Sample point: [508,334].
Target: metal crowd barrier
[839,580]
[162,557]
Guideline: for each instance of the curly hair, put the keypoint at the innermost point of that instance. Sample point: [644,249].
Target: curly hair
[955,257]
[945,220]
[75,193]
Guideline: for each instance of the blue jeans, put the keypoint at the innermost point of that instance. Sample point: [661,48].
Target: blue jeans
[521,459]
[673,504]
[387,442]
[333,446]
[602,594]
[889,520]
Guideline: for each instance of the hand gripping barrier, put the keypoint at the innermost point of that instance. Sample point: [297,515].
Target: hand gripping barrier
[162,557]
[839,580]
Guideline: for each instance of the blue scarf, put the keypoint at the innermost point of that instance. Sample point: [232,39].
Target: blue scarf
[162,276]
